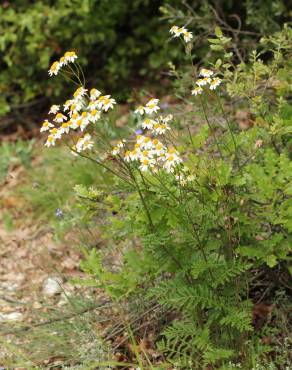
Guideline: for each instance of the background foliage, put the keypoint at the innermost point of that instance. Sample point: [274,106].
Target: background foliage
[118,42]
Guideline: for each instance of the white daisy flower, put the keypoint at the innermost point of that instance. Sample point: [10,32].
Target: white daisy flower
[121,144]
[94,94]
[54,69]
[68,104]
[166,119]
[140,110]
[203,81]
[172,153]
[54,109]
[59,118]
[146,164]
[204,72]
[187,36]
[65,127]
[46,126]
[94,115]
[79,93]
[171,162]
[116,150]
[215,83]
[51,141]
[177,31]
[160,129]
[146,143]
[75,107]
[140,139]
[106,102]
[84,143]
[148,123]
[135,154]
[87,142]
[197,90]
[63,61]
[56,133]
[174,30]
[152,106]
[70,56]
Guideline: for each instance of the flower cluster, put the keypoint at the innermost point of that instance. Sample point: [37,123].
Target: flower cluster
[78,113]
[206,80]
[68,57]
[150,153]
[181,31]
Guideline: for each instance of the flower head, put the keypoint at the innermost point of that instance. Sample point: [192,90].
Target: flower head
[94,94]
[84,143]
[51,141]
[54,69]
[94,115]
[59,118]
[54,109]
[187,36]
[152,106]
[46,126]
[178,31]
[56,133]
[203,81]
[215,83]
[140,110]
[105,102]
[197,90]
[206,72]
[148,123]
[70,56]
[79,93]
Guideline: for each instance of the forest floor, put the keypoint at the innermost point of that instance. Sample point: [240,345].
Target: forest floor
[34,268]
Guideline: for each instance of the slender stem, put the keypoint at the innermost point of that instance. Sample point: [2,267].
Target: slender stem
[229,127]
[210,127]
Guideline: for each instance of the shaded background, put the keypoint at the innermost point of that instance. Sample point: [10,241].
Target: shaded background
[118,42]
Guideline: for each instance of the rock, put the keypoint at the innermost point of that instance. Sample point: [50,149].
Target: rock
[52,286]
[11,316]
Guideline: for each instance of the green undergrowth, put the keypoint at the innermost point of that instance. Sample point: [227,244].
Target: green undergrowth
[48,187]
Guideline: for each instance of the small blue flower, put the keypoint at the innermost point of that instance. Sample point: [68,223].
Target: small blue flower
[59,213]
[138,132]
[164,106]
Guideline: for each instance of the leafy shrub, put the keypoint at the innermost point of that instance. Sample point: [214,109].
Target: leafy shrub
[202,211]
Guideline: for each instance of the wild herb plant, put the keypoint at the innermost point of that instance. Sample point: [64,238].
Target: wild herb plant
[202,206]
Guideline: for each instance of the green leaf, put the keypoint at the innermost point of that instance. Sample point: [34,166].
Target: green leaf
[271,260]
[218,31]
